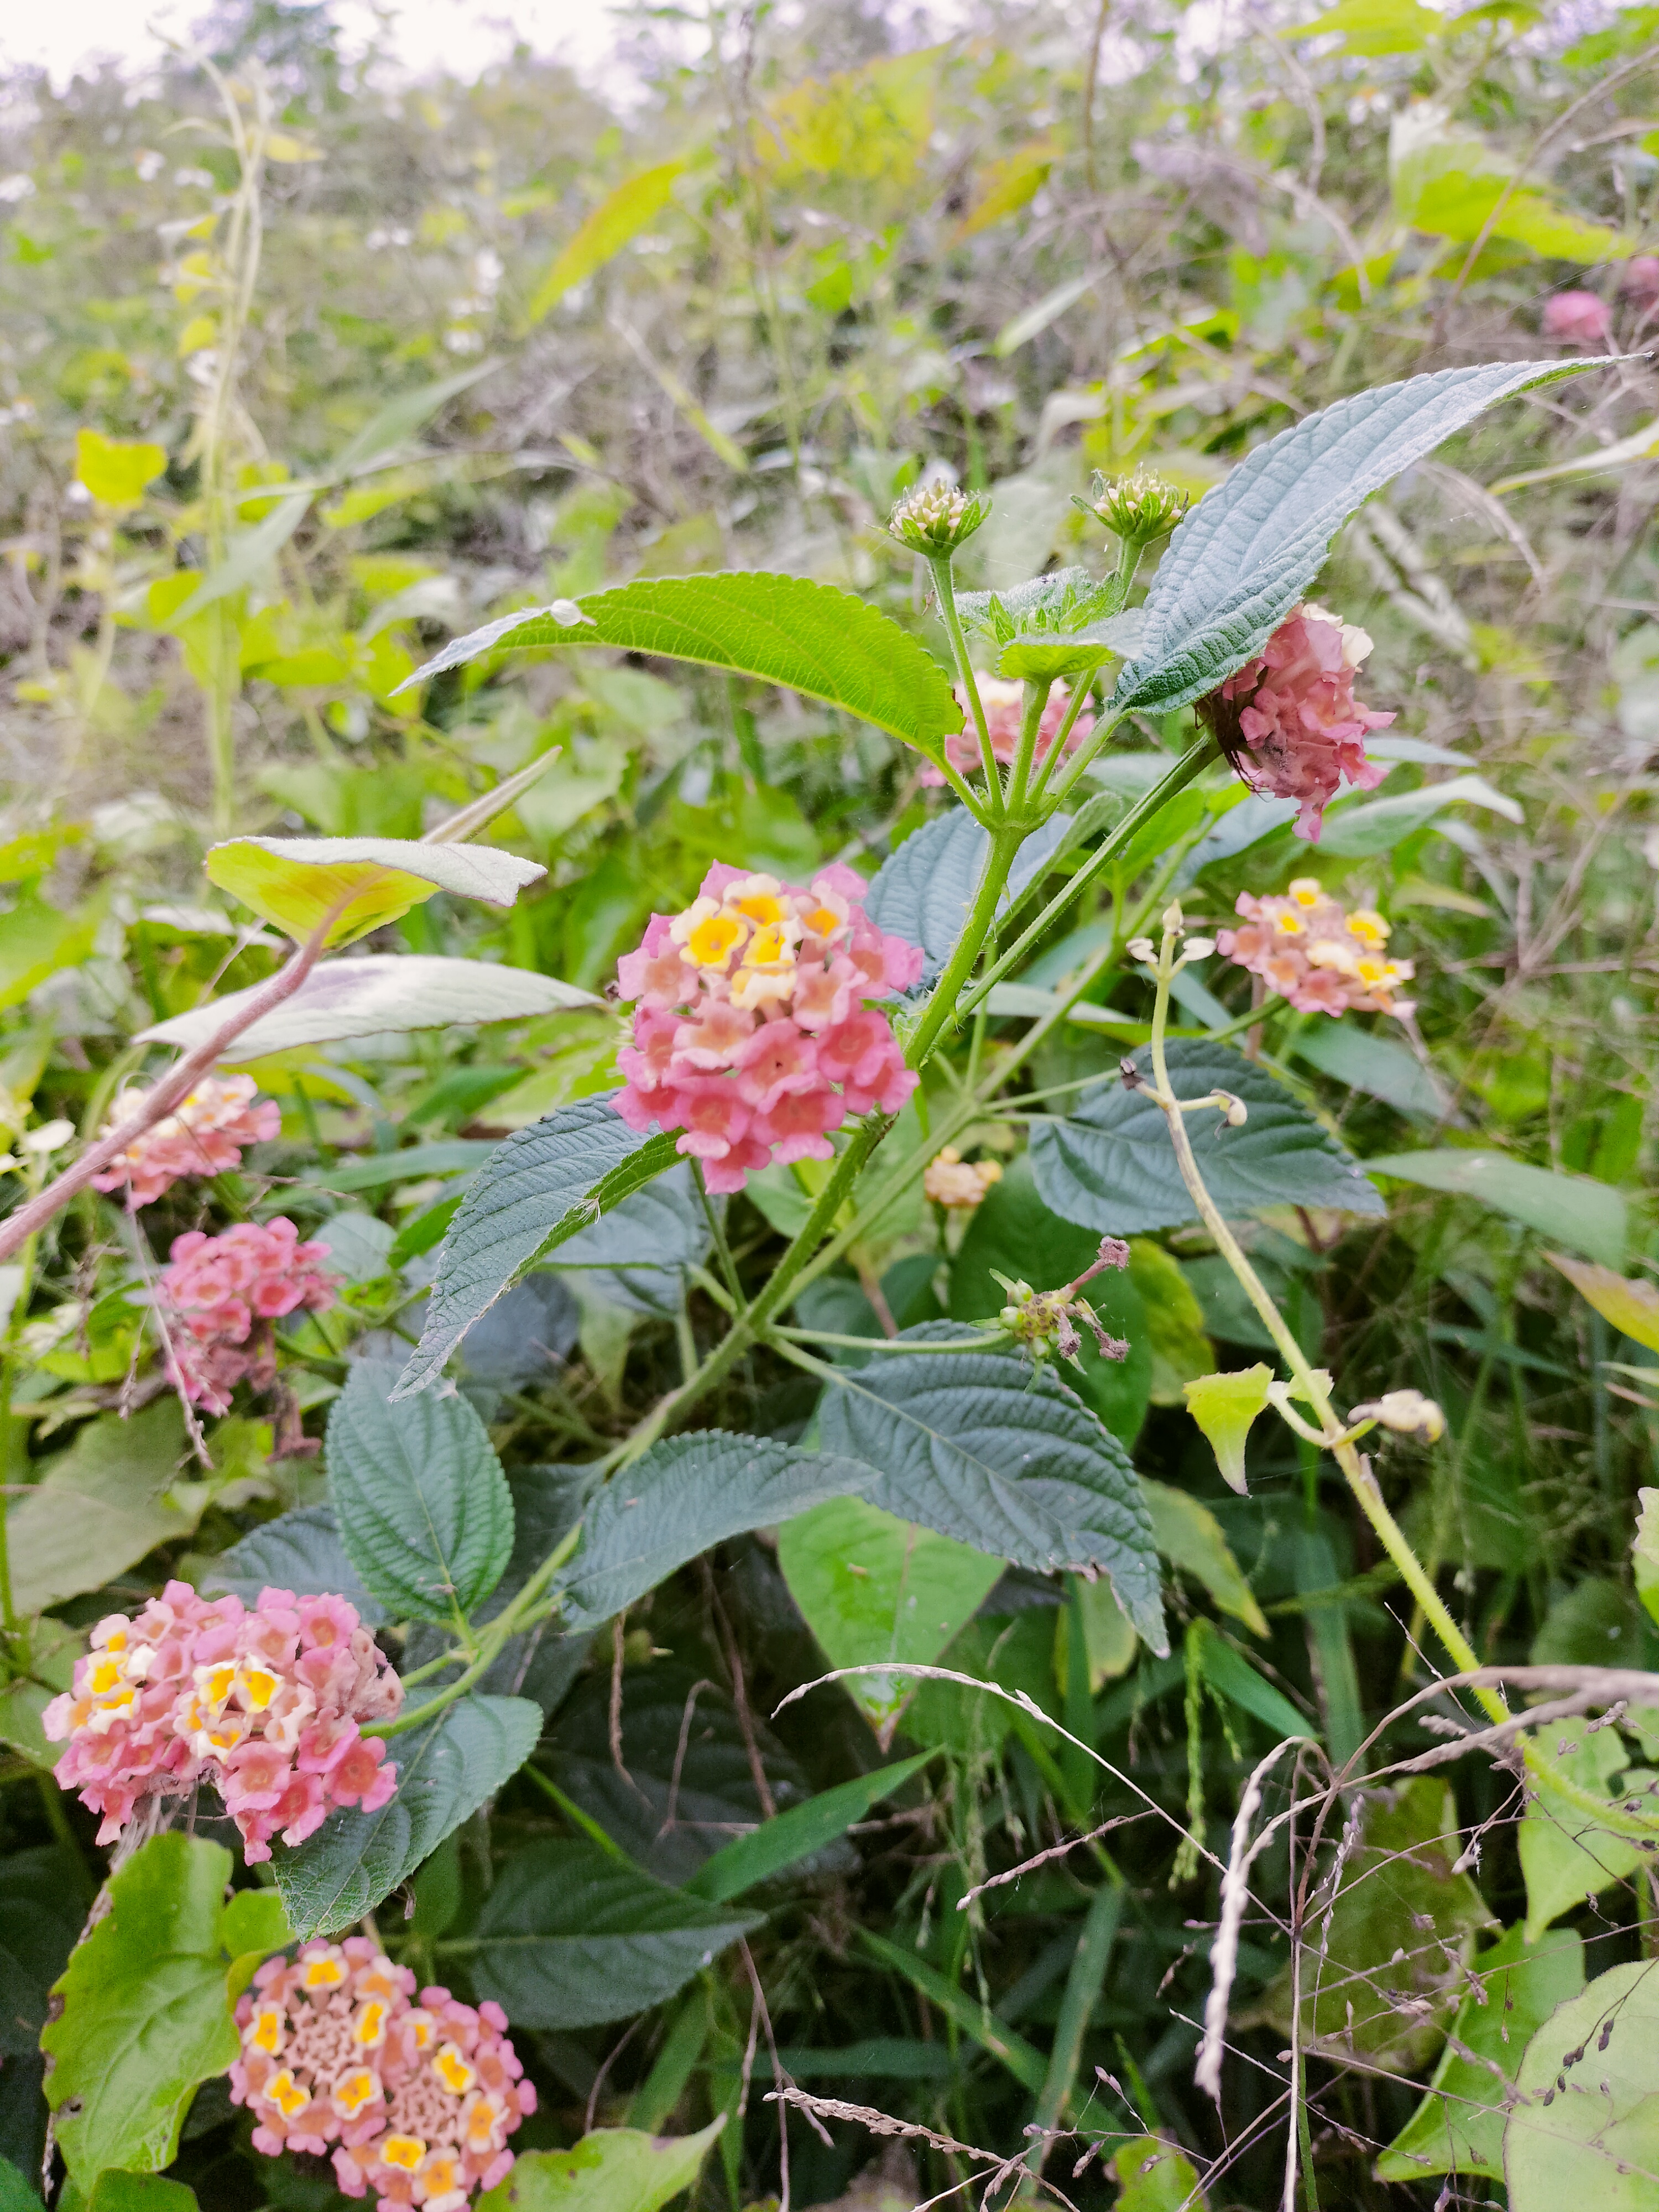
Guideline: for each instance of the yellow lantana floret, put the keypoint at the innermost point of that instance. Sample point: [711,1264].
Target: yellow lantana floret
[404,2152]
[452,2070]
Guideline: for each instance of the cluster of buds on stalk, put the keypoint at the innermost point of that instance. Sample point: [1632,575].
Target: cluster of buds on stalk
[935,518]
[1044,1322]
[1139,509]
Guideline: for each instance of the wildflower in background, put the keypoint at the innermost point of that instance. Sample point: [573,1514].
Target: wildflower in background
[1639,278]
[1288,720]
[203,1135]
[1005,706]
[417,2098]
[1580,318]
[752,1030]
[219,1296]
[960,1185]
[1322,959]
[268,1705]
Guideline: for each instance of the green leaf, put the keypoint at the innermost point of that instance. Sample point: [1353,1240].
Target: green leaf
[1570,1209]
[1110,1165]
[681,1496]
[296,881]
[816,640]
[44,1898]
[37,941]
[977,1446]
[1225,1405]
[1175,1334]
[1566,1855]
[1232,1675]
[611,2170]
[116,470]
[1014,1234]
[621,215]
[1375,1064]
[541,1186]
[145,2017]
[1374,27]
[873,1589]
[976,2020]
[175,601]
[1154,2176]
[1512,1990]
[571,1936]
[376,992]
[445,1770]
[16,2194]
[1244,557]
[1631,1304]
[99,1507]
[1644,1552]
[1584,2130]
[395,423]
[1392,1971]
[1361,830]
[300,1551]
[419,1499]
[53,1649]
[664,1226]
[139,2192]
[1188,1535]
[782,1842]
[924,891]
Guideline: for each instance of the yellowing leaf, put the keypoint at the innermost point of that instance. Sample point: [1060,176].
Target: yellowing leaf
[281,146]
[1644,1552]
[296,881]
[1004,186]
[619,217]
[1631,1305]
[1224,1406]
[200,331]
[115,470]
[1374,27]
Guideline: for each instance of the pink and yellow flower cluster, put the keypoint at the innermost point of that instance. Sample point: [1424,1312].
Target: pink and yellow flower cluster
[417,2099]
[1004,708]
[219,1295]
[1305,946]
[268,1704]
[753,1035]
[203,1135]
[1289,720]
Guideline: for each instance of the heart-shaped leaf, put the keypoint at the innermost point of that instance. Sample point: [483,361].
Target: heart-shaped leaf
[1223,1407]
[297,882]
[1584,2115]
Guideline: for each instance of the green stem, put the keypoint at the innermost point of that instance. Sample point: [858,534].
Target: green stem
[940,565]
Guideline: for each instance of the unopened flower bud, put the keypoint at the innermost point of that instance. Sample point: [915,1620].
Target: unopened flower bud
[1233,1111]
[1172,917]
[1409,1412]
[936,518]
[1140,509]
[957,1184]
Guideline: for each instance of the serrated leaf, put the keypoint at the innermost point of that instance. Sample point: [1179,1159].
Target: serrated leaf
[812,637]
[1110,1165]
[1223,1407]
[1631,1304]
[874,1588]
[1590,2136]
[977,1446]
[610,2170]
[98,1507]
[1244,557]
[622,215]
[571,1936]
[636,1255]
[1570,1209]
[300,1551]
[1188,1535]
[924,891]
[1459,2125]
[375,992]
[297,881]
[145,2015]
[445,1770]
[681,1496]
[418,1495]
[541,1185]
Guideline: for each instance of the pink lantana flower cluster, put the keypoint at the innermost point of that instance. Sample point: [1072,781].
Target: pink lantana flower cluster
[267,1704]
[752,1033]
[1005,706]
[1289,721]
[219,1296]
[1324,959]
[417,2099]
[203,1135]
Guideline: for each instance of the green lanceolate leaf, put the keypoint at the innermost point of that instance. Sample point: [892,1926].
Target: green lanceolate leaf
[1244,557]
[445,1770]
[419,1496]
[816,640]
[1110,1166]
[682,1496]
[1570,1209]
[1584,2128]
[1189,1536]
[977,1446]
[788,1838]
[924,891]
[538,1189]
[610,2170]
[301,1551]
[571,1937]
[380,991]
[1223,1407]
[296,881]
[146,2015]
[1459,2125]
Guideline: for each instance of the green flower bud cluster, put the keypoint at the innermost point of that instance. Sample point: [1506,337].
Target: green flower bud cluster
[936,518]
[1140,509]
